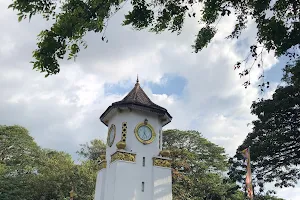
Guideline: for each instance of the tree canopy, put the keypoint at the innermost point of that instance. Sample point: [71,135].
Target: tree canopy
[198,169]
[275,138]
[93,150]
[18,155]
[29,172]
[277,23]
[197,166]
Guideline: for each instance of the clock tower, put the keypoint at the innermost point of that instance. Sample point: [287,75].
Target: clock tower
[135,167]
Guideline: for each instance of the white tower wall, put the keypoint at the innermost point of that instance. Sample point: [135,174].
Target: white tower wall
[162,187]
[100,185]
[133,118]
[134,180]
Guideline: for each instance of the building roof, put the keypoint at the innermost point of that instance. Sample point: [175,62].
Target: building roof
[137,99]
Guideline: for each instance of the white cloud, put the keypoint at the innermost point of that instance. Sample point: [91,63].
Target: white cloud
[62,111]
[289,193]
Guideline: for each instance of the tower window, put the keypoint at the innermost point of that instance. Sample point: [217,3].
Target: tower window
[144,161]
[143,186]
[159,139]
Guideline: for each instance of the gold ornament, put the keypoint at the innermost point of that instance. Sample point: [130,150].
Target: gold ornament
[161,162]
[102,157]
[121,145]
[123,156]
[102,164]
[165,153]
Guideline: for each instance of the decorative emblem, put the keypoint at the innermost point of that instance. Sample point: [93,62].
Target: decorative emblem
[121,155]
[111,135]
[161,162]
[144,132]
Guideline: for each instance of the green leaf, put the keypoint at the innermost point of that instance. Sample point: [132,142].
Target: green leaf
[277,23]
[10,5]
[204,37]
[20,18]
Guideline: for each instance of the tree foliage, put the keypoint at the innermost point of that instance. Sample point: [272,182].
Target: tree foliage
[29,172]
[45,174]
[277,23]
[18,153]
[198,167]
[93,150]
[275,138]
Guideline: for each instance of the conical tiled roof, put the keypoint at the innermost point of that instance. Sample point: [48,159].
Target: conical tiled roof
[137,99]
[138,96]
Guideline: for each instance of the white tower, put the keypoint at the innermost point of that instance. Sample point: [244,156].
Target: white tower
[135,167]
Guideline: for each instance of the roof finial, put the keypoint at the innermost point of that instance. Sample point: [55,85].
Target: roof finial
[137,81]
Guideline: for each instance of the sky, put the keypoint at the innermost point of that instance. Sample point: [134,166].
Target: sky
[201,91]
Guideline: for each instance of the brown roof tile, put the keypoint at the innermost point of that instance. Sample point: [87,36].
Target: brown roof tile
[137,98]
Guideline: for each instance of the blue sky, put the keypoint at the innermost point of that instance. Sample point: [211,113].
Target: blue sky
[275,73]
[171,84]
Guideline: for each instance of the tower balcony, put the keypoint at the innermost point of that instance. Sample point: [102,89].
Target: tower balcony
[123,155]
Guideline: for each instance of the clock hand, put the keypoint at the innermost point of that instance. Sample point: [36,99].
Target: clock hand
[145,133]
[148,135]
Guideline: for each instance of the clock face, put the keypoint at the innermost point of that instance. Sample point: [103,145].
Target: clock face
[111,135]
[145,133]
